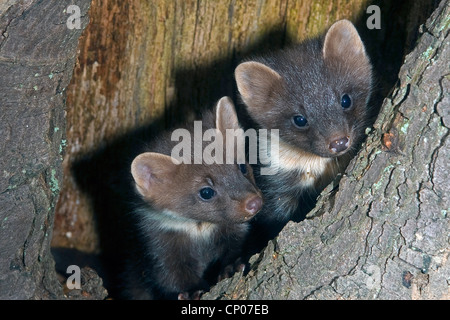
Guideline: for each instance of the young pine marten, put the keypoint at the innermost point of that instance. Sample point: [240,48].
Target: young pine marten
[316,94]
[191,217]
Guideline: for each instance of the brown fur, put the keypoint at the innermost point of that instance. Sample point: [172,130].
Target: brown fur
[310,80]
[182,235]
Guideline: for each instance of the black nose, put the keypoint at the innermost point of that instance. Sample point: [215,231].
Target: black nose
[339,145]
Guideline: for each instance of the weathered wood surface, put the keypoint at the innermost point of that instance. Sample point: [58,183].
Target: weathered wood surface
[385,233]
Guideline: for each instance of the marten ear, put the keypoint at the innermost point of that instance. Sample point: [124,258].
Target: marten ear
[256,82]
[342,43]
[150,169]
[226,117]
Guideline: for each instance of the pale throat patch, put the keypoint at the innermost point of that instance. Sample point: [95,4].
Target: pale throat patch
[309,166]
[171,221]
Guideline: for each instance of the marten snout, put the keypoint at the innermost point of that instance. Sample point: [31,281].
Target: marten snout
[250,206]
[253,205]
[339,145]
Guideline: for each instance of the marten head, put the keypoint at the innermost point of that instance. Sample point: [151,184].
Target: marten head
[214,193]
[316,93]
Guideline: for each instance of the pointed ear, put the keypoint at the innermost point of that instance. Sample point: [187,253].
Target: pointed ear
[342,42]
[226,117]
[256,82]
[150,169]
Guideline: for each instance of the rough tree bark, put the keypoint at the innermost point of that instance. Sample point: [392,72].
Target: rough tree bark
[385,233]
[37,56]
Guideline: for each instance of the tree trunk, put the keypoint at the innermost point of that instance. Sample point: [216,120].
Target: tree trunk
[384,233]
[37,56]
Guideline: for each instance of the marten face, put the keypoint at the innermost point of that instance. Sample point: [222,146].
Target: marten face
[214,193]
[315,94]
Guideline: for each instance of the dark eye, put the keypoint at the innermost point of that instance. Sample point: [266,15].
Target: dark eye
[346,101]
[300,121]
[207,193]
[243,168]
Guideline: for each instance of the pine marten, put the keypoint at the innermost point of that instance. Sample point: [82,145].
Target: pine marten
[316,93]
[190,216]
